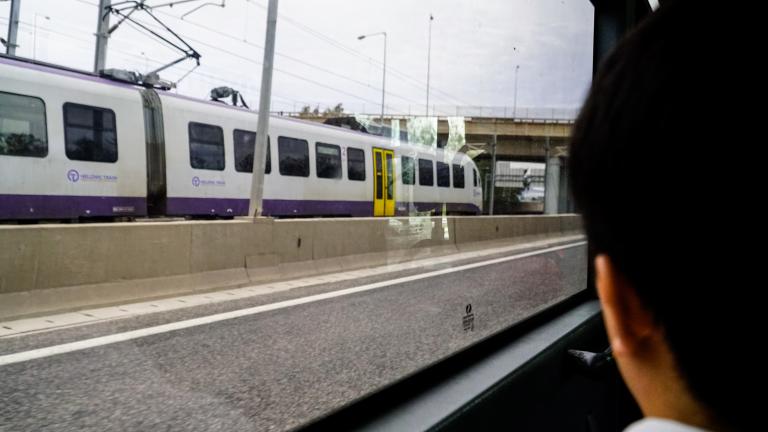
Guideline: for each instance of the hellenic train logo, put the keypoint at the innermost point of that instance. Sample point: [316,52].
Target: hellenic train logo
[73,176]
[195,181]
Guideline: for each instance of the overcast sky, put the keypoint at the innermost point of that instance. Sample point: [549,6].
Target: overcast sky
[476,45]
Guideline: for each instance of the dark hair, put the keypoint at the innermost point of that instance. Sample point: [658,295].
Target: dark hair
[666,114]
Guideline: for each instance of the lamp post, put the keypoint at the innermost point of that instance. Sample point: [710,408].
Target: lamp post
[34,35]
[384,75]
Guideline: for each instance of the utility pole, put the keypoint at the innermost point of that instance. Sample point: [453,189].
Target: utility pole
[493,175]
[102,33]
[13,28]
[255,207]
[551,180]
[429,58]
[383,82]
[514,107]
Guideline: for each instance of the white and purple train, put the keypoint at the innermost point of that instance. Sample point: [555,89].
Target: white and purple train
[74,145]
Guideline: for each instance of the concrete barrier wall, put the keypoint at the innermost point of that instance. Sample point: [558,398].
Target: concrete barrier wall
[53,267]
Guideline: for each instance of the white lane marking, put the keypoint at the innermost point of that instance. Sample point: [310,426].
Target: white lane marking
[179,325]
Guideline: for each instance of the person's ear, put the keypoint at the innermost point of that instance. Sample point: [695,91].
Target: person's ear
[628,323]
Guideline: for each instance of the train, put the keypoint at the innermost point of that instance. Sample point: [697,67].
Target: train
[81,146]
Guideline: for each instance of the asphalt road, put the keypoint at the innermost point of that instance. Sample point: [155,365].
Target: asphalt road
[278,369]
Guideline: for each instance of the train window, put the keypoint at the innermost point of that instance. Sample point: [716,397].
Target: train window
[458,176]
[426,172]
[328,160]
[443,175]
[245,142]
[294,156]
[474,177]
[90,133]
[22,126]
[355,164]
[390,177]
[408,170]
[206,146]
[378,175]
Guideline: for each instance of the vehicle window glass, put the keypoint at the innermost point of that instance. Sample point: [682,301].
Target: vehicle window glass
[355,164]
[443,175]
[458,176]
[426,172]
[379,176]
[245,143]
[22,126]
[206,146]
[90,133]
[294,156]
[408,170]
[328,160]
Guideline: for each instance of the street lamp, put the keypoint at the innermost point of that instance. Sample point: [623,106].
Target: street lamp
[384,75]
[34,35]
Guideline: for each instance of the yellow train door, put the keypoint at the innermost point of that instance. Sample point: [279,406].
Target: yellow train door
[383,182]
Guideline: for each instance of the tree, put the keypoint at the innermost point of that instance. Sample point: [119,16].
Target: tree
[308,112]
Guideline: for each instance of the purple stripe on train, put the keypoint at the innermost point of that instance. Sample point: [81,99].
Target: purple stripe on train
[206,206]
[69,207]
[272,207]
[276,207]
[437,208]
[355,208]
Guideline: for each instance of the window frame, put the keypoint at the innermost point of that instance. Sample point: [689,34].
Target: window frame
[432,175]
[457,171]
[403,166]
[67,126]
[280,158]
[437,172]
[223,145]
[45,125]
[362,163]
[319,144]
[267,163]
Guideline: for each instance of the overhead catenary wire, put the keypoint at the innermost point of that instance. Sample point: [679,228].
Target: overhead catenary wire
[212,79]
[292,58]
[390,109]
[292,74]
[393,71]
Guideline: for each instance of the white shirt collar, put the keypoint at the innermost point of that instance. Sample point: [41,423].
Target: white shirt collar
[653,424]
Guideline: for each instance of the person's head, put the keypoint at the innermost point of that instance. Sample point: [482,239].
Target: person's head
[671,272]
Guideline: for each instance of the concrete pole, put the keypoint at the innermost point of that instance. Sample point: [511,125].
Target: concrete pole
[383,81]
[551,181]
[255,207]
[493,176]
[13,28]
[102,35]
[514,106]
[429,58]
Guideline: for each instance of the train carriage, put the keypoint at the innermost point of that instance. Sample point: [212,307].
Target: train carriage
[69,145]
[74,145]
